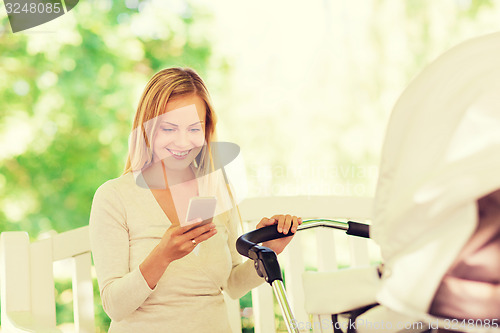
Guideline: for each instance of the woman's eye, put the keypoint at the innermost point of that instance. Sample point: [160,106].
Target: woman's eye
[195,129]
[168,129]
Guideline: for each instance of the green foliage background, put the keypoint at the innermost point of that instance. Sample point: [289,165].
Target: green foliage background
[80,140]
[79,104]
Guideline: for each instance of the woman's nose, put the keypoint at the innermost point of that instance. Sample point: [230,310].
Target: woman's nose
[181,139]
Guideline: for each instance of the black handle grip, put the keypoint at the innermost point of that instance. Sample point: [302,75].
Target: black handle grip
[358,229]
[252,238]
[265,260]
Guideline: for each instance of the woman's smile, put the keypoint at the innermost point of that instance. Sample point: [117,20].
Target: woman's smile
[179,154]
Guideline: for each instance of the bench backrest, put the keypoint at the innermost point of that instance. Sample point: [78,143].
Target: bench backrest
[27,280]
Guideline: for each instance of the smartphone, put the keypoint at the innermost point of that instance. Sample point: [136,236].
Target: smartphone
[201,207]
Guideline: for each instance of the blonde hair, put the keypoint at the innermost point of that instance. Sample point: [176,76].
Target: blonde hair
[165,85]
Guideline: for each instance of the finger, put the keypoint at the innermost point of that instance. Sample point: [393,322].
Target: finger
[262,223]
[281,223]
[276,217]
[199,231]
[300,220]
[287,223]
[188,245]
[191,224]
[191,244]
[265,222]
[205,236]
[295,223]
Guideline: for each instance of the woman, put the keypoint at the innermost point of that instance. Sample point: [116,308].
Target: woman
[149,277]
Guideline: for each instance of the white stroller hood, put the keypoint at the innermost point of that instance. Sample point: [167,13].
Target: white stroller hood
[441,153]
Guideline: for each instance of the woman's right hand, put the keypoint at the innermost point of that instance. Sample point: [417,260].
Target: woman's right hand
[178,241]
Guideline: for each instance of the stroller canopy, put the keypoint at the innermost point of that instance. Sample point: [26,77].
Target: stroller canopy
[441,153]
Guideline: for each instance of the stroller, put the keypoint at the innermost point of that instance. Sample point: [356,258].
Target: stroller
[441,154]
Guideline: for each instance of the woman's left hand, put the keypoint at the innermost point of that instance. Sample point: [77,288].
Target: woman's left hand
[285,223]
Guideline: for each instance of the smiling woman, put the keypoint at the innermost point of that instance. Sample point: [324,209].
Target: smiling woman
[137,236]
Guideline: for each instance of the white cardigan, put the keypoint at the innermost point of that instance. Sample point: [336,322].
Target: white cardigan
[126,223]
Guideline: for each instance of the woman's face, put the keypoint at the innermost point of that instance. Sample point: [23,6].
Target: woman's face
[181,132]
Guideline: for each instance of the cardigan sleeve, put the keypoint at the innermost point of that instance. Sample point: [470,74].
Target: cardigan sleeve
[109,239]
[243,276]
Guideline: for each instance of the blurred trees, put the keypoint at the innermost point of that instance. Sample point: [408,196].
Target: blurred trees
[68,92]
[67,100]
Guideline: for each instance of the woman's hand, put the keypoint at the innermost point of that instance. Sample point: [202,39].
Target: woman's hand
[178,241]
[285,223]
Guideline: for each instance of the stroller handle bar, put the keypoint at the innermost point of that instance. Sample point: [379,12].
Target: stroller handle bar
[266,262]
[247,243]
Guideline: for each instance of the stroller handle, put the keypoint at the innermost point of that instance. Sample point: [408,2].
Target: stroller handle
[246,242]
[267,265]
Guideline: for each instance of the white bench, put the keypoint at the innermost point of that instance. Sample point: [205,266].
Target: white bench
[27,281]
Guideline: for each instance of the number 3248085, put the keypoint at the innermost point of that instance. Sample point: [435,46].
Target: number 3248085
[33,8]
[470,323]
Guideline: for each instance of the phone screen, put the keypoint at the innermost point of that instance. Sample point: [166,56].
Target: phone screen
[201,207]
